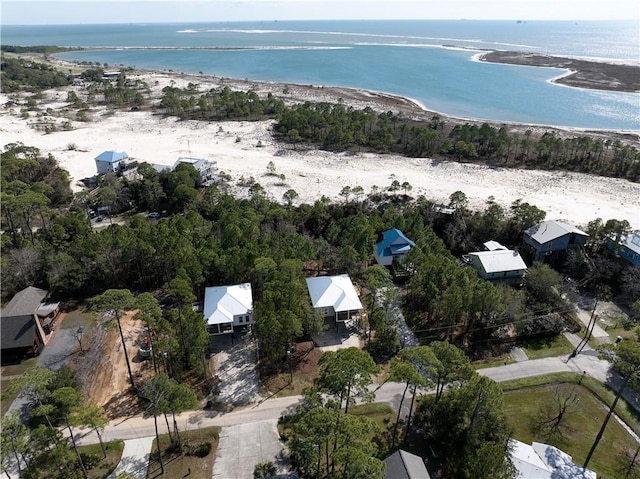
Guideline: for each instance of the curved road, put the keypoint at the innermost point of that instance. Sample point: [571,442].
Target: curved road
[391,393]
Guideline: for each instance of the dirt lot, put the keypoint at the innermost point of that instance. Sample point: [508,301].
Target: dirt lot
[103,370]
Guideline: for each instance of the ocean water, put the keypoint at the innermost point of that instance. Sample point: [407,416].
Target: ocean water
[428,61]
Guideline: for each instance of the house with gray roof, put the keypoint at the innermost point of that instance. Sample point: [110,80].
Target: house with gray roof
[404,465]
[627,248]
[26,322]
[550,240]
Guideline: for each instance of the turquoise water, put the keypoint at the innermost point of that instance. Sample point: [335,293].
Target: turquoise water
[399,57]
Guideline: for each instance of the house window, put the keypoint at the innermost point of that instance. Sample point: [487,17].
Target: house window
[240,319]
[246,318]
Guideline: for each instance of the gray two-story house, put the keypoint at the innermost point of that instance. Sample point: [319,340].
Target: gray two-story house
[550,240]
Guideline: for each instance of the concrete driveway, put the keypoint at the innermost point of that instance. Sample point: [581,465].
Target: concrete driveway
[243,446]
[56,353]
[235,367]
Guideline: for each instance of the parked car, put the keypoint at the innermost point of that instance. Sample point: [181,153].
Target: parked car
[154,215]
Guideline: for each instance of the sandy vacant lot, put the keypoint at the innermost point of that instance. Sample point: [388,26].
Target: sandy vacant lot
[574,197]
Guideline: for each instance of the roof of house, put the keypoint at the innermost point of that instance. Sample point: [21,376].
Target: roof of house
[17,332]
[404,465]
[493,245]
[24,302]
[335,291]
[499,260]
[632,242]
[393,242]
[541,461]
[111,156]
[550,230]
[16,318]
[222,303]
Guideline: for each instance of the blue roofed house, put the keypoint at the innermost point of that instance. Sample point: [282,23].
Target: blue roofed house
[394,245]
[550,240]
[110,161]
[628,248]
[226,307]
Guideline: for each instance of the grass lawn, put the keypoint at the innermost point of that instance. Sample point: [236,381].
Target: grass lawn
[379,412]
[183,464]
[622,327]
[524,405]
[105,466]
[547,347]
[493,362]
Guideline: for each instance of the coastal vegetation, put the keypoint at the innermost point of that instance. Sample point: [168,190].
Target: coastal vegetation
[19,74]
[337,127]
[232,232]
[208,236]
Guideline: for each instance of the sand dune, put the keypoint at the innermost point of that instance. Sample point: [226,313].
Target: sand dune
[574,197]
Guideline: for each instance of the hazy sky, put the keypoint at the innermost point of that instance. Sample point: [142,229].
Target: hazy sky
[25,12]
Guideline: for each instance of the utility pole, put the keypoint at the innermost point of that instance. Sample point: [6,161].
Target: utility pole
[588,332]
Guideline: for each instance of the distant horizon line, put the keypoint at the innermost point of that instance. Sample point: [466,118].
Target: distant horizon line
[518,20]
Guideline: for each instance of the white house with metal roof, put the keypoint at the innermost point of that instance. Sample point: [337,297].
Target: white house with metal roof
[551,238]
[334,296]
[207,169]
[228,306]
[110,161]
[498,265]
[541,461]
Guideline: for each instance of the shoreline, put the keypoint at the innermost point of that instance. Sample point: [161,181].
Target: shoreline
[582,73]
[585,73]
[573,197]
[402,104]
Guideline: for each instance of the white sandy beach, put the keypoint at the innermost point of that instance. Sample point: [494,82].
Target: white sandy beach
[573,197]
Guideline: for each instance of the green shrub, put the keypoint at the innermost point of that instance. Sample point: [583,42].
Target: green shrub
[201,450]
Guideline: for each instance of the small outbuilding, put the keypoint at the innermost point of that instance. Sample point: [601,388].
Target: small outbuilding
[393,246]
[110,161]
[404,465]
[551,239]
[226,307]
[334,296]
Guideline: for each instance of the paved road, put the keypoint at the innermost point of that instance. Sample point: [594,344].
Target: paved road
[137,426]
